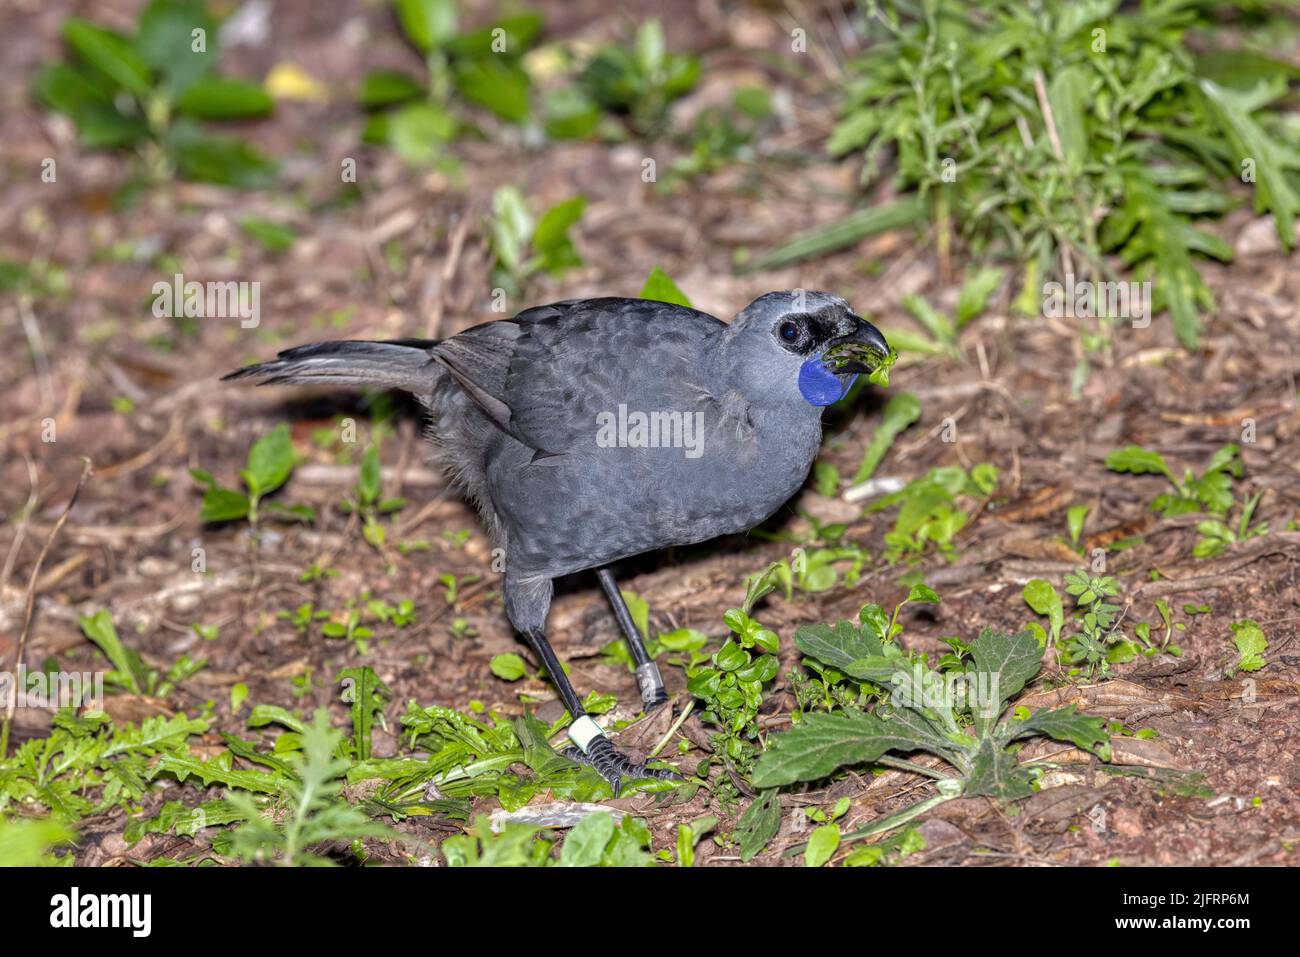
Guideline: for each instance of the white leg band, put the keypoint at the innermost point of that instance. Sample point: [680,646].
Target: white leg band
[583,731]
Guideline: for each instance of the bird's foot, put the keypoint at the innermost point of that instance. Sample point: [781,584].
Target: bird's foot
[653,692]
[612,765]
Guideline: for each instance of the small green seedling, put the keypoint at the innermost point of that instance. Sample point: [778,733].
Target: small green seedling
[302,617]
[1099,641]
[824,840]
[130,673]
[689,837]
[1165,645]
[1251,644]
[1074,519]
[521,248]
[420,117]
[642,81]
[401,615]
[452,585]
[368,501]
[929,513]
[271,460]
[1210,492]
[1217,535]
[349,628]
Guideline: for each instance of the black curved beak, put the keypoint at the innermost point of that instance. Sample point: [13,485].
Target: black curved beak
[863,350]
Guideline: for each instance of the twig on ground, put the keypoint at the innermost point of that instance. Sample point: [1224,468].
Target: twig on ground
[86,469]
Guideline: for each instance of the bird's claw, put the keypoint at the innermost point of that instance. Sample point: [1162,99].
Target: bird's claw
[612,765]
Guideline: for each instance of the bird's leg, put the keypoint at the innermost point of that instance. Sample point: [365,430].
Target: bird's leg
[653,693]
[593,747]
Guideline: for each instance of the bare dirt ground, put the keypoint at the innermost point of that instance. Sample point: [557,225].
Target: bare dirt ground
[129,543]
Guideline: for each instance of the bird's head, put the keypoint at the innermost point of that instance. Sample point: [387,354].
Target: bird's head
[804,344]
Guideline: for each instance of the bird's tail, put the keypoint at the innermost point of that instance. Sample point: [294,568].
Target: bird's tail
[396,364]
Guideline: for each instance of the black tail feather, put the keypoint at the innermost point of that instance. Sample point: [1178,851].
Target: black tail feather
[397,364]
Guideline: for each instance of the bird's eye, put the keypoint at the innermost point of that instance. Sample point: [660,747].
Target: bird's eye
[789,331]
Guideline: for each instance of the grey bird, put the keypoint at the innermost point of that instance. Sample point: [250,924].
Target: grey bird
[592,430]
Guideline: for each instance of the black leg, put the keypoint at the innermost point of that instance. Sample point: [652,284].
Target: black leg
[537,641]
[647,672]
[592,746]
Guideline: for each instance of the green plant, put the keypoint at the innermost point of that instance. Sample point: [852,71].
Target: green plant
[130,673]
[302,616]
[1099,641]
[31,843]
[367,698]
[823,687]
[929,512]
[150,92]
[759,824]
[401,615]
[419,117]
[1165,645]
[309,809]
[513,235]
[729,683]
[888,850]
[900,412]
[508,666]
[1251,644]
[1074,519]
[1064,133]
[943,331]
[270,463]
[1209,492]
[825,839]
[641,81]
[689,837]
[660,287]
[597,840]
[1217,535]
[515,845]
[720,137]
[452,585]
[1044,599]
[275,238]
[510,761]
[368,501]
[348,626]
[1095,643]
[953,715]
[88,764]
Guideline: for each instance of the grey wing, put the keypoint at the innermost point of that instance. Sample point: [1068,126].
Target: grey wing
[479,360]
[546,376]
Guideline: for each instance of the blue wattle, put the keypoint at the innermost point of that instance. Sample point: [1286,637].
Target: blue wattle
[819,385]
